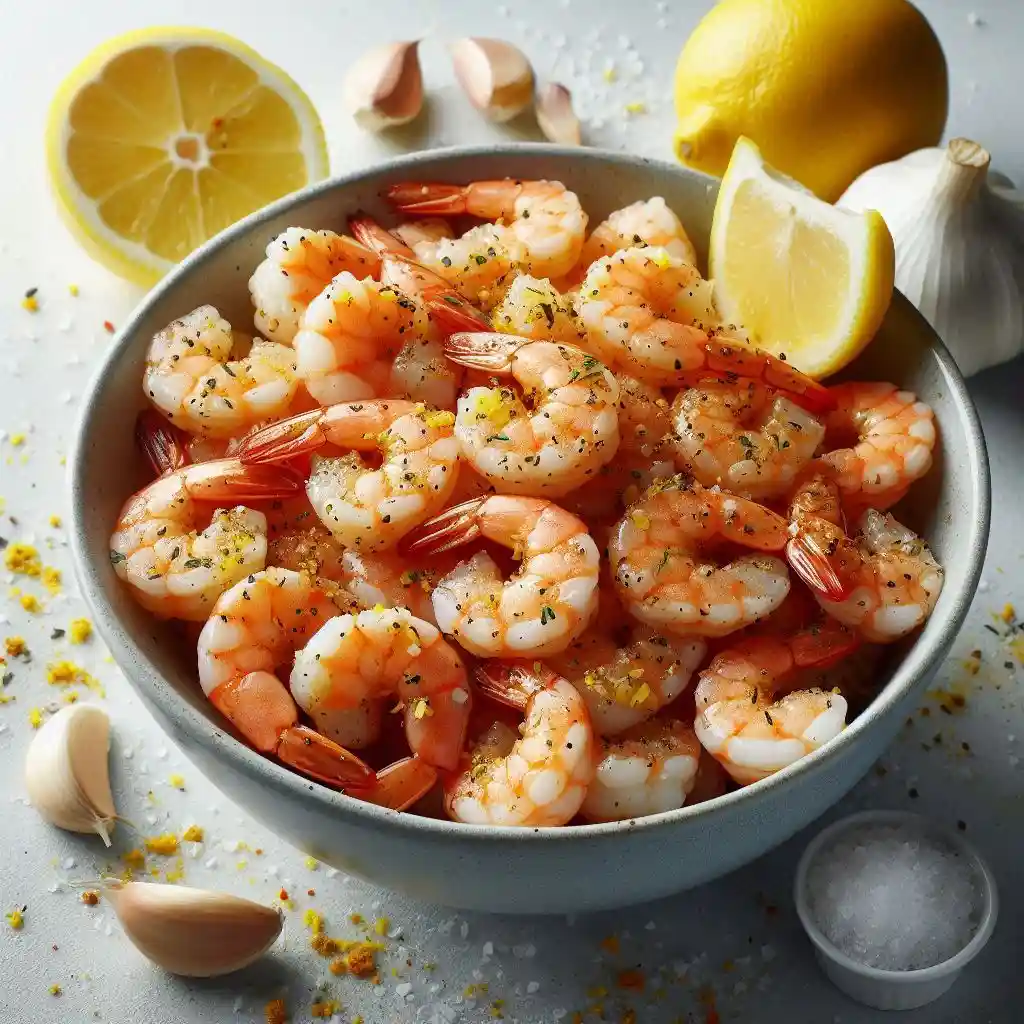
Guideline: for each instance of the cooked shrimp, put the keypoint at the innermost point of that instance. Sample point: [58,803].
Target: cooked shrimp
[623,680]
[199,376]
[300,264]
[541,224]
[538,778]
[371,509]
[646,222]
[177,553]
[254,631]
[563,429]
[401,784]
[648,769]
[357,660]
[879,440]
[421,235]
[743,436]
[393,580]
[651,314]
[664,570]
[884,582]
[547,603]
[164,446]
[744,728]
[533,308]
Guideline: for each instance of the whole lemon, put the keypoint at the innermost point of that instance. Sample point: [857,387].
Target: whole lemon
[826,88]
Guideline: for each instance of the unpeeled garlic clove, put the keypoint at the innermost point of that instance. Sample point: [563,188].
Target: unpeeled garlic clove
[557,119]
[384,87]
[66,772]
[495,75]
[196,933]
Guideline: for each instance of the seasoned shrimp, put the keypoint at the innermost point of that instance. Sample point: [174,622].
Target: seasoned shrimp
[547,603]
[744,728]
[649,769]
[299,265]
[254,631]
[541,223]
[664,572]
[650,314]
[533,308]
[646,222]
[884,582]
[199,376]
[357,660]
[563,429]
[421,235]
[371,509]
[537,778]
[744,437]
[177,553]
[878,440]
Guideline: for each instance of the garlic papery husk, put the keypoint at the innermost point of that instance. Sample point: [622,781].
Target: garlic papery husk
[66,772]
[959,237]
[384,87]
[196,933]
[495,75]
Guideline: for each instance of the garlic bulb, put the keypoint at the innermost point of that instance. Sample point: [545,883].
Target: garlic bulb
[384,88]
[959,236]
[196,933]
[66,771]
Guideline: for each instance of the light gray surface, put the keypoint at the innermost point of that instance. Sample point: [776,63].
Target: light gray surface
[46,357]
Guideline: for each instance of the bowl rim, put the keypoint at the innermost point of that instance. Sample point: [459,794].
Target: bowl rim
[182,718]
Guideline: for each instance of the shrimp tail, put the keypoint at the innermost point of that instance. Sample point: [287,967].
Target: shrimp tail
[458,316]
[162,443]
[401,784]
[423,198]
[511,683]
[285,439]
[453,528]
[377,238]
[322,759]
[814,566]
[233,480]
[825,646]
[483,351]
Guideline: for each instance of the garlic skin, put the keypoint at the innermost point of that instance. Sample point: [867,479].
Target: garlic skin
[959,237]
[66,772]
[555,116]
[196,933]
[384,87]
[495,75]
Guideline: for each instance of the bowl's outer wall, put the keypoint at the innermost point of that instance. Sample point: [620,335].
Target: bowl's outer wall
[558,870]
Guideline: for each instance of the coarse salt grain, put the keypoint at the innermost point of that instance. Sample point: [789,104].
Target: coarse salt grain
[894,897]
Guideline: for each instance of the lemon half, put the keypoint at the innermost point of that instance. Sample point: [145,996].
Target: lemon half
[160,138]
[807,280]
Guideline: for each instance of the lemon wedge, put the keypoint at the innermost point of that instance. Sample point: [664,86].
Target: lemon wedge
[160,138]
[807,280]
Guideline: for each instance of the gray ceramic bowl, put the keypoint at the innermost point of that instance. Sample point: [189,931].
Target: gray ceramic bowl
[501,869]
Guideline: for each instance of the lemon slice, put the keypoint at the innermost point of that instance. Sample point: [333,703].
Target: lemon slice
[161,138]
[806,280]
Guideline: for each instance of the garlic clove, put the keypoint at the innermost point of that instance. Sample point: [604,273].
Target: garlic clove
[196,933]
[66,771]
[557,119]
[495,75]
[384,87]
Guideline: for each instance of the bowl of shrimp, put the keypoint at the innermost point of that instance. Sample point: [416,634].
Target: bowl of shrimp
[437,516]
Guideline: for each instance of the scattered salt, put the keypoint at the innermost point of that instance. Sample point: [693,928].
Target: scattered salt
[488,949]
[403,990]
[69,863]
[894,897]
[211,863]
[464,929]
[532,986]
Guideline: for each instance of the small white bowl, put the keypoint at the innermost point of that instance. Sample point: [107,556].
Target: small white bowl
[893,990]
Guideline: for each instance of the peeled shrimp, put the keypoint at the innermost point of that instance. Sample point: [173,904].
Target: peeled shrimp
[541,226]
[193,380]
[371,509]
[650,314]
[894,437]
[177,553]
[300,264]
[254,631]
[743,436]
[563,429]
[647,222]
[649,769]
[884,582]
[744,728]
[664,570]
[547,603]
[533,308]
[355,661]
[536,778]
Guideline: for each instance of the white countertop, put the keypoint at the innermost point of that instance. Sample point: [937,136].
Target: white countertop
[736,942]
